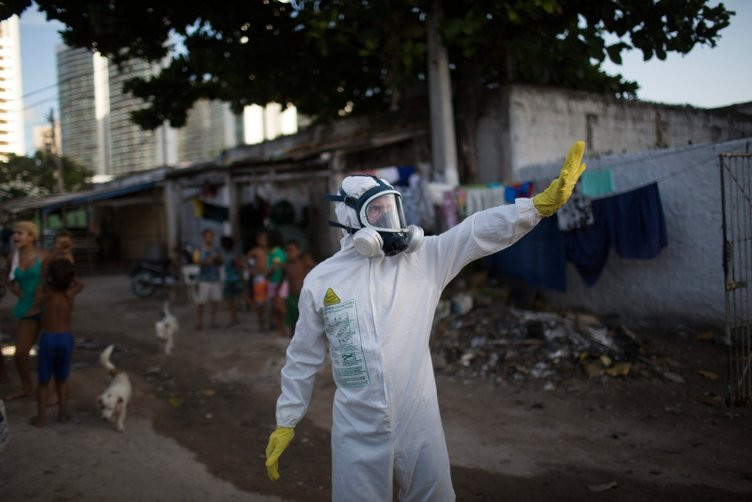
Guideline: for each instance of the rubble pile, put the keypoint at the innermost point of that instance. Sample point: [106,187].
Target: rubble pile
[511,344]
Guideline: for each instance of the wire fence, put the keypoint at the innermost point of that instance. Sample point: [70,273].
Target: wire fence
[736,199]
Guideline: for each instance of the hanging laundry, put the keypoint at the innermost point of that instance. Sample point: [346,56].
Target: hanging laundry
[473,201]
[214,212]
[410,204]
[518,190]
[478,198]
[538,258]
[631,223]
[426,208]
[587,247]
[395,175]
[449,209]
[597,182]
[390,174]
[198,207]
[405,173]
[576,213]
[638,226]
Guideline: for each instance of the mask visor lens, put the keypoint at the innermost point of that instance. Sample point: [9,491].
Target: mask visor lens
[385,213]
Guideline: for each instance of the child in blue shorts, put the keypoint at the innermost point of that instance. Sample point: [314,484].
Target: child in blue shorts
[56,344]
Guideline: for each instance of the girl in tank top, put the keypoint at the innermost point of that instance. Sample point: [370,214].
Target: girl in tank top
[25,277]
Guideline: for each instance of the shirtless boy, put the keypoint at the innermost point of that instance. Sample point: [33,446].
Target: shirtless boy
[296,268]
[56,344]
[258,287]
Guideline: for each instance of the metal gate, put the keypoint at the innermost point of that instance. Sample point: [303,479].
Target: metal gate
[736,199]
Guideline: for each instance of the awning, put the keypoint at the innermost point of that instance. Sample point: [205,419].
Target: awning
[53,202]
[101,194]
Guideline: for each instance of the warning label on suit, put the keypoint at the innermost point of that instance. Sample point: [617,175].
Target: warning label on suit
[345,346]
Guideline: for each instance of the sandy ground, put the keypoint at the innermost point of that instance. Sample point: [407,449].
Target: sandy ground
[199,421]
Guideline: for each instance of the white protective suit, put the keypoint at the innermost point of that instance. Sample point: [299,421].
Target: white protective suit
[376,315]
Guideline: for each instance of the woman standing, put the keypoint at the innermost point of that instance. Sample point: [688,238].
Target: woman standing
[26,277]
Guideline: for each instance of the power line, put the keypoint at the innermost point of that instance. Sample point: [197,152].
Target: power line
[37,91]
[60,82]
[45,100]
[56,84]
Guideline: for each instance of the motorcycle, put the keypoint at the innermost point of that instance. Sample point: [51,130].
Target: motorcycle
[148,276]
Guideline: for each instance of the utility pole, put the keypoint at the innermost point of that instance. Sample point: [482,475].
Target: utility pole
[55,154]
[443,140]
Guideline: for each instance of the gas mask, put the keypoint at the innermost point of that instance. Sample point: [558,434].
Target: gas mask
[381,219]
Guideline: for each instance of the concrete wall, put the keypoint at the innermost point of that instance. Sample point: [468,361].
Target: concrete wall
[527,125]
[685,284]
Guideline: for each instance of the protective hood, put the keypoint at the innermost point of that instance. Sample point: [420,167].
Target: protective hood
[354,186]
[370,209]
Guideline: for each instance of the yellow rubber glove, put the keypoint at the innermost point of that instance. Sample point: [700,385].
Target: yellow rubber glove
[279,440]
[558,192]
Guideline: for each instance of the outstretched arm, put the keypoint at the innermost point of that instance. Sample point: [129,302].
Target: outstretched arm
[495,229]
[75,288]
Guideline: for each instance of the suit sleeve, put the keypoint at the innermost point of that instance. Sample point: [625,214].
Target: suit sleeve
[480,234]
[306,355]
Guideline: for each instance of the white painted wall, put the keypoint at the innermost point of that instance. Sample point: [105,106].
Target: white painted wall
[685,284]
[525,124]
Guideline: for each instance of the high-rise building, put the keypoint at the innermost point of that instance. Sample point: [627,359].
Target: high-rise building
[95,115]
[11,101]
[261,123]
[210,128]
[44,138]
[131,148]
[77,94]
[97,130]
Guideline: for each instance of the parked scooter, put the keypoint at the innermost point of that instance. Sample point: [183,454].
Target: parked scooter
[148,276]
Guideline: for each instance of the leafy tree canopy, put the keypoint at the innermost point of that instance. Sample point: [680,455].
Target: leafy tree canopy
[22,176]
[335,57]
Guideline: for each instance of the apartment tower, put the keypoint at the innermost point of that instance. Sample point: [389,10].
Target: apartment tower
[11,101]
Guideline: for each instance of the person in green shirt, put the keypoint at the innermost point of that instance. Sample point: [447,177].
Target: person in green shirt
[278,289]
[26,277]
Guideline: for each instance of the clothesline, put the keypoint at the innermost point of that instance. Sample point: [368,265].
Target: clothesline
[660,179]
[653,161]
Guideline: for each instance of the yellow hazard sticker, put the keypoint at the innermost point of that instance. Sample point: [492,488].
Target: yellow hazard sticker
[331,298]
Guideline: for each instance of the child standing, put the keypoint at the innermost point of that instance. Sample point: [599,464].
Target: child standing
[277,287]
[26,279]
[62,248]
[56,344]
[258,285]
[209,257]
[295,270]
[233,287]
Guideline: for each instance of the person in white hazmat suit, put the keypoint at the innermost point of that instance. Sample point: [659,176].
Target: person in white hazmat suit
[372,305]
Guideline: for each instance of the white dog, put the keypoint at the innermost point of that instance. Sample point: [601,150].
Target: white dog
[167,328]
[114,400]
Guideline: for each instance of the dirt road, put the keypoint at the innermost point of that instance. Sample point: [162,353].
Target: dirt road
[199,421]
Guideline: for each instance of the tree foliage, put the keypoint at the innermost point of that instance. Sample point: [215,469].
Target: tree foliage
[36,176]
[335,57]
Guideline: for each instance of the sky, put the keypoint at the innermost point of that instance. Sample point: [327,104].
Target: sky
[705,78]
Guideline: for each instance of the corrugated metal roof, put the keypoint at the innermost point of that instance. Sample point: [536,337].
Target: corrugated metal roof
[136,182]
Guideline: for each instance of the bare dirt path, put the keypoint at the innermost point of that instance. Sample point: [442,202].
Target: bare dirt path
[200,419]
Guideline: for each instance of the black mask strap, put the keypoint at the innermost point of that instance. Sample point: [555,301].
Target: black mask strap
[350,230]
[353,201]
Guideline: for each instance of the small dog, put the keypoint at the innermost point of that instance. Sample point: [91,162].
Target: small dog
[114,400]
[167,328]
